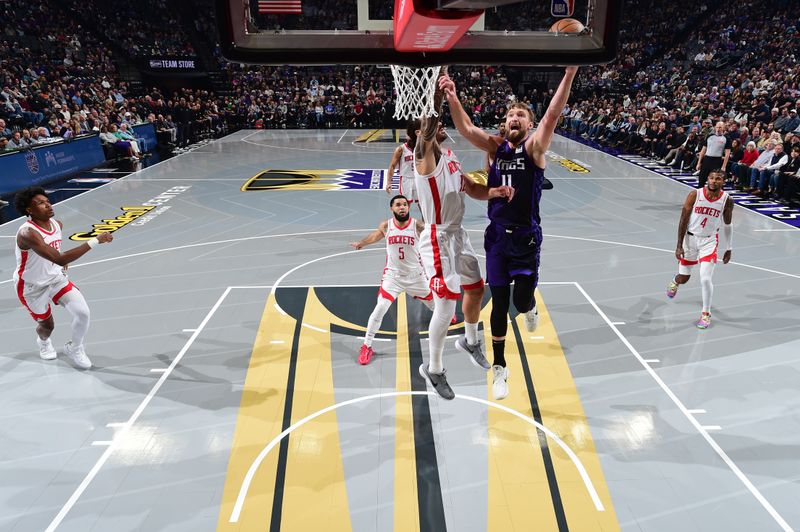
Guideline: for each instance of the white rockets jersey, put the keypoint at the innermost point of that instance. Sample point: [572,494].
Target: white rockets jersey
[441,193]
[32,267]
[402,255]
[706,215]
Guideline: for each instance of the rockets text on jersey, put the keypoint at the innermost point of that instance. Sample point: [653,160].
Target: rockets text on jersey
[402,255]
[706,215]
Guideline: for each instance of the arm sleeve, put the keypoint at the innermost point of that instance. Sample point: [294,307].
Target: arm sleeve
[725,241]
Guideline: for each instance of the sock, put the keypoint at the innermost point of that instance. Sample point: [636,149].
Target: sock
[471,332]
[76,305]
[706,271]
[375,319]
[437,331]
[499,349]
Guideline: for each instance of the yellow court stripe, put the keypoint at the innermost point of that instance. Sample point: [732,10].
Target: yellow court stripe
[518,492]
[315,496]
[377,134]
[371,135]
[562,412]
[259,420]
[406,505]
[364,136]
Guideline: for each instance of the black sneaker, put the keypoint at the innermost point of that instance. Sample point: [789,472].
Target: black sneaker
[438,381]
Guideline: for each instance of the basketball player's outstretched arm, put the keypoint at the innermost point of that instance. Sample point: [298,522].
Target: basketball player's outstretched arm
[726,242]
[373,237]
[427,149]
[544,133]
[475,135]
[482,192]
[398,152]
[683,225]
[32,239]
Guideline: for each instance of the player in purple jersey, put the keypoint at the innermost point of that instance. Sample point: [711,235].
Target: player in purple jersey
[514,236]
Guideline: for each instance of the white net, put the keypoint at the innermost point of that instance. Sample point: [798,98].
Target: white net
[415,88]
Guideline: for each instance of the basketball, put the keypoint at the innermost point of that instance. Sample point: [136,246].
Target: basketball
[567,25]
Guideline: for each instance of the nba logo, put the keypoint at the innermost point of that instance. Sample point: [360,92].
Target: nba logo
[562,8]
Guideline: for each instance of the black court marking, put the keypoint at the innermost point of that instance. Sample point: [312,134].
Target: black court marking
[552,481]
[280,476]
[429,488]
[354,305]
[277,179]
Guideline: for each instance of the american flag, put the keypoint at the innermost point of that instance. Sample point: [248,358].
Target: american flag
[279,6]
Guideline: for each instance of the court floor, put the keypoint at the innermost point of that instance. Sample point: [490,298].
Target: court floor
[226,322]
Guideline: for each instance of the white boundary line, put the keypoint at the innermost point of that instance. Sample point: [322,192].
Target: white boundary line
[669,178]
[240,499]
[123,177]
[337,231]
[212,243]
[343,134]
[703,430]
[113,445]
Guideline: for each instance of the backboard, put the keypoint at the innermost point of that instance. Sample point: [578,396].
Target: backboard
[359,32]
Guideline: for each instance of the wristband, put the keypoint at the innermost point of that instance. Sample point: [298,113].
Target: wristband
[93,242]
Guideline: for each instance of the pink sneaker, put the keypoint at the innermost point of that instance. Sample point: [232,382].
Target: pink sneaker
[365,356]
[672,289]
[704,321]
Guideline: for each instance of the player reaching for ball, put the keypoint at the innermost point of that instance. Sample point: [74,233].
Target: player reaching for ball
[514,236]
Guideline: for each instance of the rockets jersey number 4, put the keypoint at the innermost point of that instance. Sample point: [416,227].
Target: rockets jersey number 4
[402,256]
[706,214]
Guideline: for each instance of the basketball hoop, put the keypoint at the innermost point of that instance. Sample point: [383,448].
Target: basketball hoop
[415,89]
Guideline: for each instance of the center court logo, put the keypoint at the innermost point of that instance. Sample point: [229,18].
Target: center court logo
[140,214]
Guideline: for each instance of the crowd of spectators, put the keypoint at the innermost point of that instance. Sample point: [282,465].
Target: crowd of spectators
[58,82]
[150,28]
[682,67]
[742,72]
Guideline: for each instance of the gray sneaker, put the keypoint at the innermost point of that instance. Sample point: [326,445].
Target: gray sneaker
[475,353]
[438,381]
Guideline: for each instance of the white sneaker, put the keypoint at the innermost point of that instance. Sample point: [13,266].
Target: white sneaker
[78,356]
[532,319]
[499,382]
[46,349]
